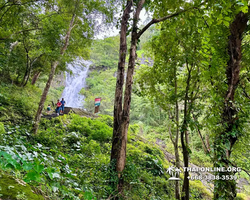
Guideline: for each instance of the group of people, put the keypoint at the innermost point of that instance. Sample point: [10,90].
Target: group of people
[59,107]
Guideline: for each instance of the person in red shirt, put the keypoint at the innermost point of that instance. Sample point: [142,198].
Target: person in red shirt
[58,107]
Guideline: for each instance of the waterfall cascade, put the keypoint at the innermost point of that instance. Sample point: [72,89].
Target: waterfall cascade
[75,82]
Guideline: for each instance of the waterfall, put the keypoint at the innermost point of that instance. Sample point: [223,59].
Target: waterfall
[75,81]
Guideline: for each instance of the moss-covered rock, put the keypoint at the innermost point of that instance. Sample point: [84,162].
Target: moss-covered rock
[15,189]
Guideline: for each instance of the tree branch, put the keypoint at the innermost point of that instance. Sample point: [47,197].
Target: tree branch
[154,21]
[22,31]
[202,140]
[170,134]
[67,37]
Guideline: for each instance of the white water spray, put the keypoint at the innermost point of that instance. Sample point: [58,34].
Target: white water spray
[75,82]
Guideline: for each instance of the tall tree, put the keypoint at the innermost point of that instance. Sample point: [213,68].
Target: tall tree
[122,112]
[226,118]
[18,25]
[230,117]
[174,80]
[51,75]
[79,31]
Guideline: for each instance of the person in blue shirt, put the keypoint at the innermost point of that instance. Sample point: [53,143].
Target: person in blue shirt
[62,106]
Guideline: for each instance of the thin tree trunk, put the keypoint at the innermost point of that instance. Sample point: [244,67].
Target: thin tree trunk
[177,157]
[27,78]
[176,151]
[37,74]
[44,96]
[230,112]
[27,68]
[205,148]
[52,72]
[207,142]
[202,141]
[184,140]
[177,163]
[30,68]
[185,187]
[35,77]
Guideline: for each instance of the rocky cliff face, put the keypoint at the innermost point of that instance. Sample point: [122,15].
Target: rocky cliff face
[59,80]
[98,68]
[145,60]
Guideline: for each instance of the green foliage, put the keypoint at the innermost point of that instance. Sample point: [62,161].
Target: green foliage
[13,188]
[241,196]
[199,191]
[69,158]
[96,130]
[199,158]
[105,52]
[20,104]
[107,119]
[100,84]
[33,35]
[2,130]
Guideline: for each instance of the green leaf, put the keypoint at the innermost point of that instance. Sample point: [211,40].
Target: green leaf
[27,166]
[50,172]
[38,168]
[227,19]
[88,195]
[240,3]
[226,23]
[244,9]
[32,176]
[227,145]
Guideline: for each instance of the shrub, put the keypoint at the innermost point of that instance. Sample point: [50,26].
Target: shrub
[2,131]
[199,191]
[241,196]
[93,129]
[107,119]
[91,148]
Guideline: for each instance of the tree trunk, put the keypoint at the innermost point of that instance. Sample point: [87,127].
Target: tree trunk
[121,115]
[226,140]
[35,77]
[185,187]
[26,75]
[202,142]
[176,151]
[52,72]
[205,148]
[27,78]
[177,164]
[184,139]
[44,96]
[117,138]
[208,143]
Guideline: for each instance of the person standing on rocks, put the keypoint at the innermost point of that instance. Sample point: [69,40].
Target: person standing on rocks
[58,107]
[62,106]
